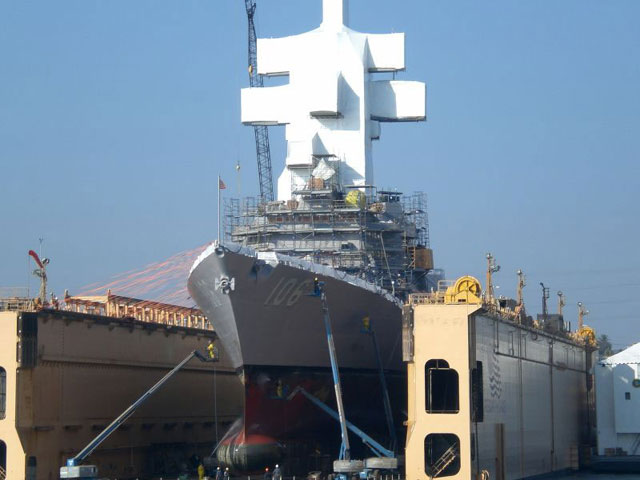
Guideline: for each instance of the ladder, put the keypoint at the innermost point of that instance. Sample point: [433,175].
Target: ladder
[3,473]
[635,445]
[444,461]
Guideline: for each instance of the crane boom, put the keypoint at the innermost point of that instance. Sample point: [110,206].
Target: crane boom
[263,150]
[74,470]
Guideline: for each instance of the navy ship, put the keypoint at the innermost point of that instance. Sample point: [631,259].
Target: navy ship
[369,246]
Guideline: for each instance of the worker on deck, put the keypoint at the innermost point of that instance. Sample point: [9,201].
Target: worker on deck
[200,471]
[267,474]
[226,474]
[212,351]
[218,474]
[366,325]
[277,474]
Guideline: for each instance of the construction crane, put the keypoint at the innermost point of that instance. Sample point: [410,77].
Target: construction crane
[41,272]
[74,469]
[491,269]
[263,151]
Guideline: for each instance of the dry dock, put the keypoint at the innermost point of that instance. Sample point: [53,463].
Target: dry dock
[66,375]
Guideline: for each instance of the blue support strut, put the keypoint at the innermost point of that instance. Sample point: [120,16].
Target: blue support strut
[318,291]
[375,447]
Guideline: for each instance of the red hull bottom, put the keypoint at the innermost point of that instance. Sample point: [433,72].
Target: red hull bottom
[293,431]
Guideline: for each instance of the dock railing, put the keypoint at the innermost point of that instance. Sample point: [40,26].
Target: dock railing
[14,299]
[436,296]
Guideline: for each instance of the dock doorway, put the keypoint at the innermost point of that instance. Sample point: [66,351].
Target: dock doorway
[31,468]
[3,393]
[3,460]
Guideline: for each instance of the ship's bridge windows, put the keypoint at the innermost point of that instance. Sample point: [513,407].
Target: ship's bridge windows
[441,385]
[3,393]
[441,454]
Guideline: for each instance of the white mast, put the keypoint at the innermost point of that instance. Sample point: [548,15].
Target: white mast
[332,106]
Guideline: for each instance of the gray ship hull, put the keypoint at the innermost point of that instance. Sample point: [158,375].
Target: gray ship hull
[259,306]
[273,333]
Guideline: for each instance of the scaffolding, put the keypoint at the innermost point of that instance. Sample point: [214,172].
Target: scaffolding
[378,236]
[119,306]
[415,206]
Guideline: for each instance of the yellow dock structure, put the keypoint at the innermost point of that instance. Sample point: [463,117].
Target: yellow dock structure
[491,394]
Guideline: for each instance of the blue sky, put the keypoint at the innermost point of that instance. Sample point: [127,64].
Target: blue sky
[117,116]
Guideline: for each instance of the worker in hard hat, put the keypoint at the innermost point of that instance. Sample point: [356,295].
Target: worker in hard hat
[212,351]
[366,325]
[277,474]
[267,474]
[218,474]
[226,474]
[200,471]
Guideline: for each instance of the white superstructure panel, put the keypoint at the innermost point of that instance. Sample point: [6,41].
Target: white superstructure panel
[275,55]
[332,103]
[260,105]
[386,52]
[397,101]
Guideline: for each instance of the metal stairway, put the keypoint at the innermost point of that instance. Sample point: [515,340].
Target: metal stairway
[444,461]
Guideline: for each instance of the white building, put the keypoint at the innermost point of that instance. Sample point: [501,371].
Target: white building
[618,402]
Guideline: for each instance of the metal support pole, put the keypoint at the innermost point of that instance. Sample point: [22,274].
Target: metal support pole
[385,392]
[345,449]
[86,451]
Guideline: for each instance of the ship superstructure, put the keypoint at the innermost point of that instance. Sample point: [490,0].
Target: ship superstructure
[327,211]
[382,237]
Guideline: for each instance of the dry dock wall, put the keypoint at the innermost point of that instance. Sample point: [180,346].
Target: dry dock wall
[521,396]
[68,375]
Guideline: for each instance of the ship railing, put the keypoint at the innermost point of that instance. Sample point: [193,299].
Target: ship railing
[432,297]
[426,298]
[16,303]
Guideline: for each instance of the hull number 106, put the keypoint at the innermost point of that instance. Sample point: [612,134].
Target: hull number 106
[288,291]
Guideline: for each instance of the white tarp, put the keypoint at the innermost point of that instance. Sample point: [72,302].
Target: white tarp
[323,170]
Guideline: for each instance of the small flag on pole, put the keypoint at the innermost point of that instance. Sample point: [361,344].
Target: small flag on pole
[221,186]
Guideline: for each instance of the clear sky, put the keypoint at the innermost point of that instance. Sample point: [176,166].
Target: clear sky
[117,116]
